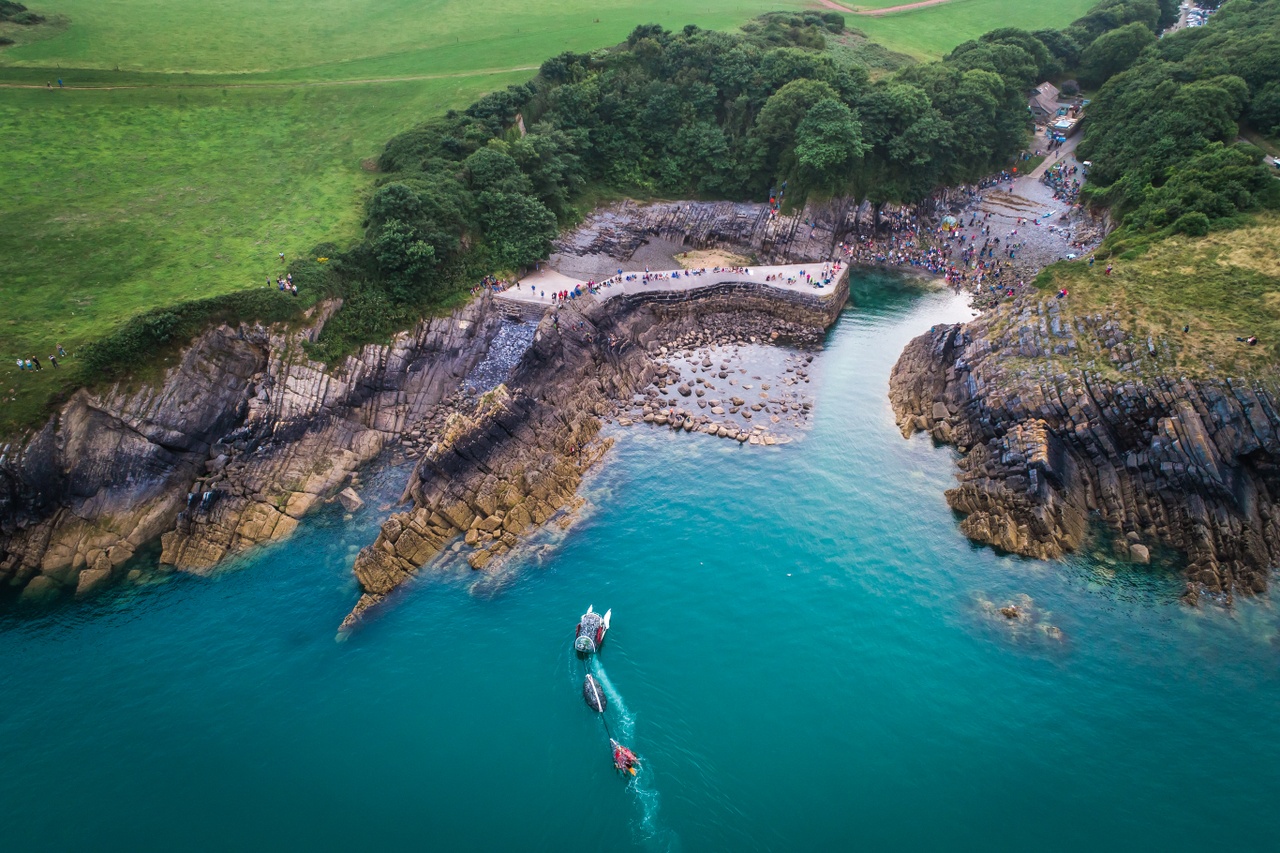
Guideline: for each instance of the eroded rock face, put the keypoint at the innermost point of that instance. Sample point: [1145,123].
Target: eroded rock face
[618,230]
[111,470]
[1047,442]
[240,440]
[517,461]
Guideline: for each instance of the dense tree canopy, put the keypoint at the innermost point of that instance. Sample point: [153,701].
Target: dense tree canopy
[1113,52]
[735,115]
[1163,134]
[687,113]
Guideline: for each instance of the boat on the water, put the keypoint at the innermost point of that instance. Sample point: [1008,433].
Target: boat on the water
[591,630]
[624,760]
[593,694]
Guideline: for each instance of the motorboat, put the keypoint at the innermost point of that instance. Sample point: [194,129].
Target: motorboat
[624,760]
[591,630]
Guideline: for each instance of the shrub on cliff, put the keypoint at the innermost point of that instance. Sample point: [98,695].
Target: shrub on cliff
[136,343]
[16,13]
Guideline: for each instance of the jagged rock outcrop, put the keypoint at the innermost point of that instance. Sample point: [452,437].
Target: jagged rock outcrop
[805,235]
[1060,419]
[518,460]
[241,439]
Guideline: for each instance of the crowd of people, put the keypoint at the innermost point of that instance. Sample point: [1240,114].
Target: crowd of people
[285,284]
[1064,181]
[490,284]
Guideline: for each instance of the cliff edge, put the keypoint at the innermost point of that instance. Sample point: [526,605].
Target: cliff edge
[1059,420]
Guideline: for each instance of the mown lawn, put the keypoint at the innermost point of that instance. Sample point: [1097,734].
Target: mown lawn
[117,201]
[325,35]
[930,32]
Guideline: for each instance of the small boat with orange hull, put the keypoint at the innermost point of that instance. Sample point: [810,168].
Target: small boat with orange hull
[624,760]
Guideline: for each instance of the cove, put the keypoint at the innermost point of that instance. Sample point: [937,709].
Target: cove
[800,655]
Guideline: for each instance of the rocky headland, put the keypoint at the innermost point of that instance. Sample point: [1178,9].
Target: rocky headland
[516,461]
[1058,421]
[1061,420]
[245,434]
[236,444]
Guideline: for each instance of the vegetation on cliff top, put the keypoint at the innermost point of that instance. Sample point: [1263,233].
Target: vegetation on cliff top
[1222,287]
[1162,134]
[764,114]
[1196,242]
[241,129]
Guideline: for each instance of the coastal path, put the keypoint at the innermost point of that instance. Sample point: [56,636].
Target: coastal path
[538,288]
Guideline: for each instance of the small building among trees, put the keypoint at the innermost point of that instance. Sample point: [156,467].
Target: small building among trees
[1044,103]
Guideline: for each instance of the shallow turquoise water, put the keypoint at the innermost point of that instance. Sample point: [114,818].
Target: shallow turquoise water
[798,645]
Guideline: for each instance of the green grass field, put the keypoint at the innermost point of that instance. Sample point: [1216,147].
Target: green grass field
[932,31]
[1222,287]
[235,130]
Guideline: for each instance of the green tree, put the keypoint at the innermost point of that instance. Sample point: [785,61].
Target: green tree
[492,168]
[403,258]
[774,136]
[829,145]
[1114,52]
[1264,110]
[518,229]
[1047,64]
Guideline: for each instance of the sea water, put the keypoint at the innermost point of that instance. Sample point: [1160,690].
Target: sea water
[804,655]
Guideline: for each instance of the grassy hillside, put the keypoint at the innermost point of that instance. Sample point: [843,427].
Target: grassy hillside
[326,36]
[235,130]
[1223,286]
[123,200]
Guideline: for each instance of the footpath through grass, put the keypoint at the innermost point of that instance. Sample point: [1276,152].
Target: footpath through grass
[930,32]
[237,132]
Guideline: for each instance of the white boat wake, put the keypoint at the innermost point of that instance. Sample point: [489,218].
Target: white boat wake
[649,831]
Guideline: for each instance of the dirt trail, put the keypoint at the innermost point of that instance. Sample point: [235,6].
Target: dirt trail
[876,13]
[284,85]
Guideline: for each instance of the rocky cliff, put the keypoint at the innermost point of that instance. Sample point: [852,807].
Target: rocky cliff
[237,443]
[517,461]
[1061,419]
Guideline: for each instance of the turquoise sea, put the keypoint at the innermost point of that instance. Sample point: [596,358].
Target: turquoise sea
[800,655]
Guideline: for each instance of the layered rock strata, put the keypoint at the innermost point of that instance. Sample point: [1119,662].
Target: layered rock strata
[517,461]
[243,437]
[806,235]
[1061,419]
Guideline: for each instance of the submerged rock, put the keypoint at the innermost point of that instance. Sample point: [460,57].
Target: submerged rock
[350,500]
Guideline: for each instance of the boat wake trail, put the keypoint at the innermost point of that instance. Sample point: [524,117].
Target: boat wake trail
[649,831]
